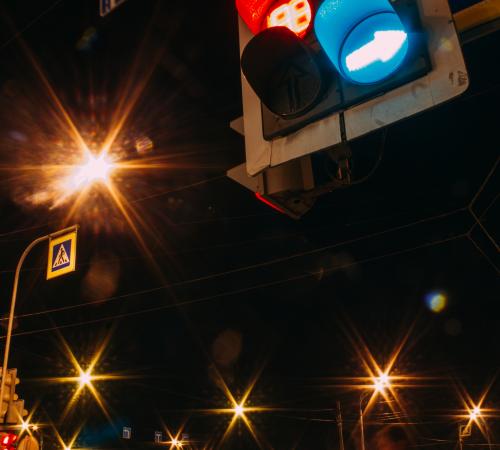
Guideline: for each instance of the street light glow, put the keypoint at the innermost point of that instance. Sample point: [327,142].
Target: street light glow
[382,382]
[85,378]
[25,426]
[93,170]
[239,410]
[475,413]
[175,442]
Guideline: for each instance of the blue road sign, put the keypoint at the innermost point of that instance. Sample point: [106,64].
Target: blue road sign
[62,255]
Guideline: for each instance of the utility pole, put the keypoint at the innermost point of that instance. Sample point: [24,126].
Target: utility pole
[339,425]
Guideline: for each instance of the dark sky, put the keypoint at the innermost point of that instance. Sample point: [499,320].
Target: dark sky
[219,286]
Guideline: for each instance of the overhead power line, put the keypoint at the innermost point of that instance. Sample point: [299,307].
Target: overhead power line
[239,269]
[303,276]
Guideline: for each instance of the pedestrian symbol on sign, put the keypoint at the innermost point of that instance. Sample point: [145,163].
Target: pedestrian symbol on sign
[62,255]
[61,259]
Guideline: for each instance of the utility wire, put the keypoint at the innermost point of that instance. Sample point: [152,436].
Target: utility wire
[237,244]
[138,200]
[385,132]
[235,292]
[484,183]
[30,24]
[237,270]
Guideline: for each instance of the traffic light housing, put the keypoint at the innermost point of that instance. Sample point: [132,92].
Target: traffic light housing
[352,68]
[12,408]
[9,393]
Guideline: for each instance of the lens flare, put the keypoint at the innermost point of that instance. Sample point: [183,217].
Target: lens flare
[436,302]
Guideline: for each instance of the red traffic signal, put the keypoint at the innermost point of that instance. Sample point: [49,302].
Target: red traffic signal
[296,15]
[7,441]
[253,12]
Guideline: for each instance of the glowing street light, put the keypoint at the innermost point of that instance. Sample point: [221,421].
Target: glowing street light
[239,410]
[85,378]
[380,384]
[466,430]
[175,443]
[93,170]
[475,413]
[25,426]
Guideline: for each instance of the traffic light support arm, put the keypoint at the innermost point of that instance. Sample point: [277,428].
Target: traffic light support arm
[13,304]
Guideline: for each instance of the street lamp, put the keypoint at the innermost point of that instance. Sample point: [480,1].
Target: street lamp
[13,300]
[380,384]
[93,170]
[175,443]
[239,410]
[466,430]
[475,413]
[85,378]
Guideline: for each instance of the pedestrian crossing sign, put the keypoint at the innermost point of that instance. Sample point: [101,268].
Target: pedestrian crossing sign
[62,255]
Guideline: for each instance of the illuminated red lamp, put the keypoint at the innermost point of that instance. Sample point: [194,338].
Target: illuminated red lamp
[253,12]
[7,440]
[296,15]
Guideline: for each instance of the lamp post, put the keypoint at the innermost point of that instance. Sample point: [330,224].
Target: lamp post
[380,383]
[14,298]
[362,397]
[465,431]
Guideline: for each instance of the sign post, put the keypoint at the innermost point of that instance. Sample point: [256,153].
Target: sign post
[64,242]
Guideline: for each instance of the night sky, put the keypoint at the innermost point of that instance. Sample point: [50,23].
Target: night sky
[202,292]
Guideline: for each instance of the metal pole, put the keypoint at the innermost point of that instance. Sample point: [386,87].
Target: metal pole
[361,419]
[339,424]
[460,437]
[13,307]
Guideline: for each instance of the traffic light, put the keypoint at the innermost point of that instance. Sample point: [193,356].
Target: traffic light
[7,440]
[16,412]
[319,73]
[9,393]
[12,409]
